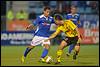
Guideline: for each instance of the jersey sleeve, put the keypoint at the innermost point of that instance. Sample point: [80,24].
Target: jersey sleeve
[53,20]
[67,17]
[36,22]
[71,24]
[79,25]
[58,30]
[78,17]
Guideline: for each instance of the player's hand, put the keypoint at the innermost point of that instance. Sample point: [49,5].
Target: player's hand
[46,40]
[78,22]
[80,39]
[81,36]
[71,19]
[27,28]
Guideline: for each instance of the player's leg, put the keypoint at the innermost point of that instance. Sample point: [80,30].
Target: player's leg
[67,41]
[46,46]
[28,49]
[77,49]
[36,41]
[60,51]
[70,49]
[45,52]
[63,44]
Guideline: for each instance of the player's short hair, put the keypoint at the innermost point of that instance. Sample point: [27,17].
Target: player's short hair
[58,17]
[47,7]
[73,6]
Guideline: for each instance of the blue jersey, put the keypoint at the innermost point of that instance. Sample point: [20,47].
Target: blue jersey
[43,25]
[75,18]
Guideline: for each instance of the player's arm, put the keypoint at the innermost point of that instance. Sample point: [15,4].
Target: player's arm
[77,32]
[33,25]
[79,35]
[74,27]
[30,27]
[78,19]
[78,22]
[54,34]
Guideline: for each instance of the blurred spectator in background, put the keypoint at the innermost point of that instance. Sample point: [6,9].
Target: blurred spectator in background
[94,6]
[32,15]
[59,5]
[82,4]
[74,3]
[55,11]
[10,15]
[21,15]
[66,7]
[88,3]
[46,3]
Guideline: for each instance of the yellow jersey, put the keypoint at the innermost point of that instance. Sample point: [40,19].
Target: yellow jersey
[68,28]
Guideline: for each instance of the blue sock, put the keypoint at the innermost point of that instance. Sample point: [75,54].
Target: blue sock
[45,52]
[27,51]
[71,48]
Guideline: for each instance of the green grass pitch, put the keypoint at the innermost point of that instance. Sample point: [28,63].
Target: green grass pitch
[10,56]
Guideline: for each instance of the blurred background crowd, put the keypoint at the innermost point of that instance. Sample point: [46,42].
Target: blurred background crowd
[16,15]
[29,10]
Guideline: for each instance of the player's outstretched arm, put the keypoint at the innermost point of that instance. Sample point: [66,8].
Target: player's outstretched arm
[54,34]
[30,27]
[79,35]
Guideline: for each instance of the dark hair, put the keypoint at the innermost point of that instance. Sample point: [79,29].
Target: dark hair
[73,6]
[47,7]
[58,17]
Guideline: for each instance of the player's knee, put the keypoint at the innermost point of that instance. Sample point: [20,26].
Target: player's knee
[63,45]
[31,46]
[78,44]
[77,47]
[46,46]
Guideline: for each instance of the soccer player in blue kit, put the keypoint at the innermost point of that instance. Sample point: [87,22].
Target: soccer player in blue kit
[43,23]
[73,16]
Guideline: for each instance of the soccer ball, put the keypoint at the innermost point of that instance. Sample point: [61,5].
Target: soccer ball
[48,59]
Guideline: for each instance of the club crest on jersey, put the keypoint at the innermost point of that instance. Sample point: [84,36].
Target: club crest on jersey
[50,20]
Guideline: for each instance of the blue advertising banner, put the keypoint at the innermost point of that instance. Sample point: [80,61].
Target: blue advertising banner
[89,24]
[16,37]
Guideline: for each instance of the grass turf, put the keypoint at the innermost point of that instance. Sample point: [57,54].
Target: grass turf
[10,56]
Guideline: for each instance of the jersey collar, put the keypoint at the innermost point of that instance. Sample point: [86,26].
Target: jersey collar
[45,17]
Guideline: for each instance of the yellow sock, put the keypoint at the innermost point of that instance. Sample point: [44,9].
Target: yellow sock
[59,53]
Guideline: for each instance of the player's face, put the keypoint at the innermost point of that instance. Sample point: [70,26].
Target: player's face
[73,10]
[47,12]
[59,22]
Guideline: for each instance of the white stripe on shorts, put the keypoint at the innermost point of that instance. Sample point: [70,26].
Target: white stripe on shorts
[37,40]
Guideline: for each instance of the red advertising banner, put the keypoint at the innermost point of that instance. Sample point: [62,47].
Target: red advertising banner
[17,25]
[90,36]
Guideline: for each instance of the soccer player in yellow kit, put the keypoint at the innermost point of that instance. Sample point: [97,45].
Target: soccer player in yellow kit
[72,35]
